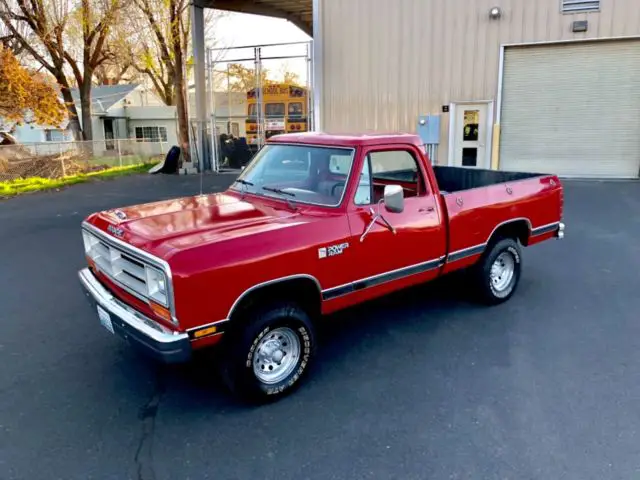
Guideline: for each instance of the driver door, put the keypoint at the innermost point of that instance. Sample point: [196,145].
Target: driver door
[384,260]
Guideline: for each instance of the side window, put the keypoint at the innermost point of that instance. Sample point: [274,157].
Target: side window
[397,167]
[363,193]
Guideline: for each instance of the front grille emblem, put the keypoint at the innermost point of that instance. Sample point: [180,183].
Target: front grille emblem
[115,231]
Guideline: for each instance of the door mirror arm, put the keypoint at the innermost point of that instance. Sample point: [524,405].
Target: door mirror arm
[375,216]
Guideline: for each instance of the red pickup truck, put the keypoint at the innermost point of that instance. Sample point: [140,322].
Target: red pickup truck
[314,224]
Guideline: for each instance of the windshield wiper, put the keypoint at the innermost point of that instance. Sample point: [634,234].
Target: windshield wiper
[278,190]
[282,192]
[243,182]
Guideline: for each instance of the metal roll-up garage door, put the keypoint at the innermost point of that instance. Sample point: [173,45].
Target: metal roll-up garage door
[572,109]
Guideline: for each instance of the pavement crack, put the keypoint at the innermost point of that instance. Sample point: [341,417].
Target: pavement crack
[147,416]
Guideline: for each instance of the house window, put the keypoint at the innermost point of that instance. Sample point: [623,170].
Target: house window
[55,135]
[235,129]
[578,6]
[151,134]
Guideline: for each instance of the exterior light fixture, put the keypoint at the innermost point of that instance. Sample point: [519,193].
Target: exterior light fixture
[495,13]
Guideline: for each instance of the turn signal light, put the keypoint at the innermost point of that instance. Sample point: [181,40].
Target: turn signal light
[160,311]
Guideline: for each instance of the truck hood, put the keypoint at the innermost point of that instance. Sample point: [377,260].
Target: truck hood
[162,228]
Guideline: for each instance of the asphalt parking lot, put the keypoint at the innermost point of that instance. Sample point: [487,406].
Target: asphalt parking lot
[420,385]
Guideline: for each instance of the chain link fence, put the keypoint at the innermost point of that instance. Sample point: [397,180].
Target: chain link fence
[61,159]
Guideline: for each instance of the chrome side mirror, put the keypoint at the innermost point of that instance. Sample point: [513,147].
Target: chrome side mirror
[394,198]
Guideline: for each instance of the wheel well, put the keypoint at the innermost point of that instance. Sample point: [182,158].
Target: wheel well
[517,229]
[303,291]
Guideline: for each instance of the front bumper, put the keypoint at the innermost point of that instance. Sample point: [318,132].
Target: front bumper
[137,329]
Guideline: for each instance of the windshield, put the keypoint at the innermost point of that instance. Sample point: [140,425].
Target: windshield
[298,174]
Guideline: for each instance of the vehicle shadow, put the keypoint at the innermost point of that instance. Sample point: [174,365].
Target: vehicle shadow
[419,310]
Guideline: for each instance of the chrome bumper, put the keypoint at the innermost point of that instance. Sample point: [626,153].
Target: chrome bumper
[560,231]
[156,340]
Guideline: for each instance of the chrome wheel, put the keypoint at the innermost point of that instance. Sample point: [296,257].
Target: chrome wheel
[502,271]
[276,355]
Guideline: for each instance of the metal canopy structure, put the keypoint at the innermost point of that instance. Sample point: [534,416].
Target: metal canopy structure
[298,12]
[258,55]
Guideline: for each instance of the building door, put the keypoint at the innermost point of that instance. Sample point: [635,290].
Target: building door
[109,133]
[572,109]
[470,135]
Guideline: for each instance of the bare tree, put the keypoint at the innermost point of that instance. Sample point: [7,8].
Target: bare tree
[56,24]
[10,40]
[147,50]
[161,50]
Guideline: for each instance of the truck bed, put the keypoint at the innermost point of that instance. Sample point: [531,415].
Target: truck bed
[456,179]
[477,202]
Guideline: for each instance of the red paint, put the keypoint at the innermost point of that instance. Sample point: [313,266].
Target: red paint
[218,246]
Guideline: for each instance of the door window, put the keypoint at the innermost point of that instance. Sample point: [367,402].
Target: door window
[470,125]
[392,167]
[274,110]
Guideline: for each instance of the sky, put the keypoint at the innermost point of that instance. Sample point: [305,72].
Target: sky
[239,30]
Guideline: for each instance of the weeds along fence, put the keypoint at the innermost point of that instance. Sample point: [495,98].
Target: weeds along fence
[61,159]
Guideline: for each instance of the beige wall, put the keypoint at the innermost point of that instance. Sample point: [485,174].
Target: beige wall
[384,62]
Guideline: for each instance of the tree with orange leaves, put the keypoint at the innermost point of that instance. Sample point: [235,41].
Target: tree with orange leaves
[27,96]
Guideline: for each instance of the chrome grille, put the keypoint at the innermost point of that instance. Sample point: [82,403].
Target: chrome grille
[138,277]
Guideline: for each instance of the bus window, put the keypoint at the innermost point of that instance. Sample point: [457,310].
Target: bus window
[252,110]
[295,109]
[274,110]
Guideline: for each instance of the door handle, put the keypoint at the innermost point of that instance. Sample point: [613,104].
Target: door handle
[426,210]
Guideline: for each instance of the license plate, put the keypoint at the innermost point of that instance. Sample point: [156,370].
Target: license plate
[105,319]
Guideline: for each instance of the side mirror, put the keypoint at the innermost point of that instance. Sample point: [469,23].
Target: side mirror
[394,198]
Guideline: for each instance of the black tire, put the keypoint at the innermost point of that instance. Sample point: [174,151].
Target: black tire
[487,291]
[242,351]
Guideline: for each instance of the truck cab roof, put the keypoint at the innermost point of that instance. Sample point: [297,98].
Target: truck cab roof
[347,139]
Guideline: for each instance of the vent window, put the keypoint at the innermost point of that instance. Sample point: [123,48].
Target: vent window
[578,6]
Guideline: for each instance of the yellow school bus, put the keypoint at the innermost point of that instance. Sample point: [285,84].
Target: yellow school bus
[284,110]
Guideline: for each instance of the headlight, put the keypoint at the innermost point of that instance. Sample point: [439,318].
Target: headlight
[89,242]
[157,285]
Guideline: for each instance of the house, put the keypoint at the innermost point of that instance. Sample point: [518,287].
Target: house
[111,107]
[229,110]
[129,111]
[33,133]
[132,111]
